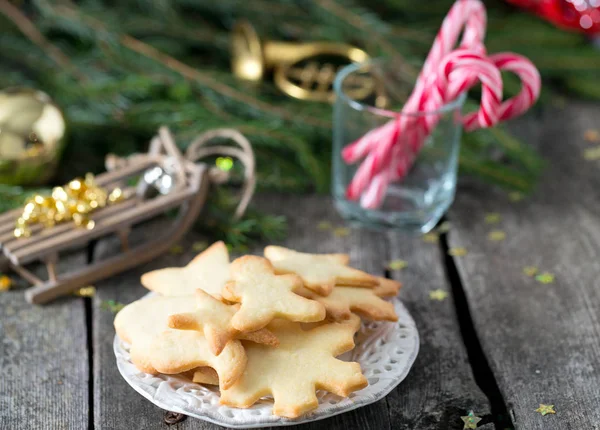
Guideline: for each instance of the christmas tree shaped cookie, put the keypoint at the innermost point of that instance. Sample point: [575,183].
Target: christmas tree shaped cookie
[302,363]
[264,295]
[319,272]
[209,271]
[213,318]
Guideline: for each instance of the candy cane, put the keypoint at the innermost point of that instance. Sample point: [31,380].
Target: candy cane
[469,15]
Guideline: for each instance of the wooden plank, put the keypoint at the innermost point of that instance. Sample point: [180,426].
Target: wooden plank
[542,341]
[440,387]
[44,361]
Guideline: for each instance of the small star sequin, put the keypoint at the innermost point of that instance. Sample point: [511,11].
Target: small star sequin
[89,291]
[201,245]
[591,135]
[492,218]
[496,235]
[224,163]
[515,196]
[432,237]
[341,231]
[457,252]
[5,283]
[470,420]
[545,409]
[592,154]
[324,225]
[530,270]
[176,249]
[545,278]
[438,295]
[397,264]
[444,227]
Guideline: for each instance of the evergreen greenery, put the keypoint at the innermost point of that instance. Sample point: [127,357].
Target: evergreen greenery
[119,70]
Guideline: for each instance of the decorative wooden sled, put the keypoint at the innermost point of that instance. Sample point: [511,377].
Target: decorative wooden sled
[188,192]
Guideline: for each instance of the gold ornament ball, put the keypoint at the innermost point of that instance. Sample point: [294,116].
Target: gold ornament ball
[32,131]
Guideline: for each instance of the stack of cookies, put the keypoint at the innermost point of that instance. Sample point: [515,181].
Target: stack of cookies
[243,325]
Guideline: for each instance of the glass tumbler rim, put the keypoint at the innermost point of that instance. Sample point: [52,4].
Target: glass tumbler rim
[353,67]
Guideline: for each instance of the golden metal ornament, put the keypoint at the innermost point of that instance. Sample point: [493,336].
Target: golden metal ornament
[72,202]
[297,69]
[32,131]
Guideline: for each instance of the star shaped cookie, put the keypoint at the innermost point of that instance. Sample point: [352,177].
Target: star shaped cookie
[209,271]
[303,362]
[387,287]
[363,301]
[264,295]
[319,272]
[213,318]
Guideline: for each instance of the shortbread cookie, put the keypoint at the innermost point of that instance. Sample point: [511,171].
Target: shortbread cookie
[363,301]
[302,363]
[139,322]
[205,375]
[319,272]
[213,318]
[177,351]
[209,271]
[387,287]
[264,295]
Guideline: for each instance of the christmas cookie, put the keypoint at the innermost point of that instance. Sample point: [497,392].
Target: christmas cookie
[302,363]
[209,271]
[319,272]
[213,318]
[139,322]
[264,295]
[205,375]
[177,351]
[363,301]
[387,287]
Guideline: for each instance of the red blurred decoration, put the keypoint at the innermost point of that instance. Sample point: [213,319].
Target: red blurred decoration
[579,15]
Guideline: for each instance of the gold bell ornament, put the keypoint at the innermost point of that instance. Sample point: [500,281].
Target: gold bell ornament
[32,131]
[301,70]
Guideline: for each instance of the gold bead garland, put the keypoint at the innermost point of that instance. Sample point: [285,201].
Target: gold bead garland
[72,202]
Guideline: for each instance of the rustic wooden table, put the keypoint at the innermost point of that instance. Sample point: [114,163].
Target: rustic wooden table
[499,345]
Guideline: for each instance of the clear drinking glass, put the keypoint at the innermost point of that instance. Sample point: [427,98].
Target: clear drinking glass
[420,198]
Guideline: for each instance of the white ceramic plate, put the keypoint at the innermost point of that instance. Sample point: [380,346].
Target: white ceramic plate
[385,351]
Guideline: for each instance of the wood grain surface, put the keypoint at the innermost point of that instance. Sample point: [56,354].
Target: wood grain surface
[542,340]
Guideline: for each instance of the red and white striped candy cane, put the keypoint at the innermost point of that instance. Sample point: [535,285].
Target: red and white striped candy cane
[469,15]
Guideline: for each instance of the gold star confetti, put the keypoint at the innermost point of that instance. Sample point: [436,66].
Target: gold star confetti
[5,283]
[530,270]
[457,252]
[592,154]
[545,409]
[545,278]
[397,264]
[515,196]
[201,245]
[176,249]
[492,218]
[324,225]
[496,235]
[111,305]
[444,227]
[470,420]
[591,135]
[224,163]
[438,295]
[432,237]
[341,231]
[89,291]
